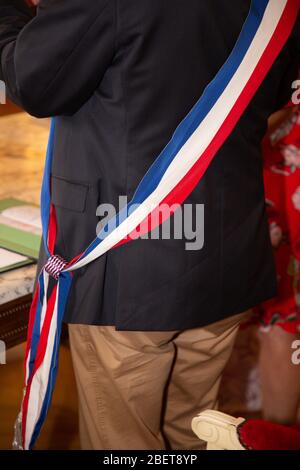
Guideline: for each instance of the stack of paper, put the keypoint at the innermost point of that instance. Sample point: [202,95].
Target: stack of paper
[10,260]
[20,229]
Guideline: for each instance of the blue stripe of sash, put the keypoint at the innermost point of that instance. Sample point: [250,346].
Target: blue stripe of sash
[192,121]
[37,324]
[183,132]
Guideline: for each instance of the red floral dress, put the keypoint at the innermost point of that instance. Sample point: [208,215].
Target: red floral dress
[282,186]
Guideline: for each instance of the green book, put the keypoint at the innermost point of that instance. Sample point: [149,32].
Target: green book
[16,239]
[12,202]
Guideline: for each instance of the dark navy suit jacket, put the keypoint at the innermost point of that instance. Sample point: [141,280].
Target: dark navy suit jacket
[121,75]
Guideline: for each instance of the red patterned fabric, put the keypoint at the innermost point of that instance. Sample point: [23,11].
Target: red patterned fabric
[282,185]
[263,435]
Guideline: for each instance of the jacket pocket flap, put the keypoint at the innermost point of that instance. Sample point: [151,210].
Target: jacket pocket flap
[69,194]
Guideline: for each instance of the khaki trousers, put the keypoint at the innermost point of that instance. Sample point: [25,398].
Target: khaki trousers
[140,390]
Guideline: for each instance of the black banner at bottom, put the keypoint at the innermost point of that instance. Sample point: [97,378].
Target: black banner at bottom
[135,459]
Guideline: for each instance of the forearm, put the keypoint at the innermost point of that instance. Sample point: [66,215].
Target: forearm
[14,15]
[46,65]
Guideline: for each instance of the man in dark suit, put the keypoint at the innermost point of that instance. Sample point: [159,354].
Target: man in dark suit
[151,323]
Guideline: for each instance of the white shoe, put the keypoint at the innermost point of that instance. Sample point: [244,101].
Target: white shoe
[219,430]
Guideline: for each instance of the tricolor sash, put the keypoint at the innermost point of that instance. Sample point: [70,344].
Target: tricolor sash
[171,178]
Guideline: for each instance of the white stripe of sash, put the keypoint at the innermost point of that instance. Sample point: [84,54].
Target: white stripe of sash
[40,380]
[201,138]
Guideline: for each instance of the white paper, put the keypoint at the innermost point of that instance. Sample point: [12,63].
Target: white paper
[20,226]
[8,258]
[27,215]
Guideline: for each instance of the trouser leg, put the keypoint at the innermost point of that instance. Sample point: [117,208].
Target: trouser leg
[121,379]
[201,356]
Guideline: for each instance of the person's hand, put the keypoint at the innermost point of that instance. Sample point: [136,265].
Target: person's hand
[34,2]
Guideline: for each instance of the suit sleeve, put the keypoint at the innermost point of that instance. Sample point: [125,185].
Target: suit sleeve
[292,67]
[52,62]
